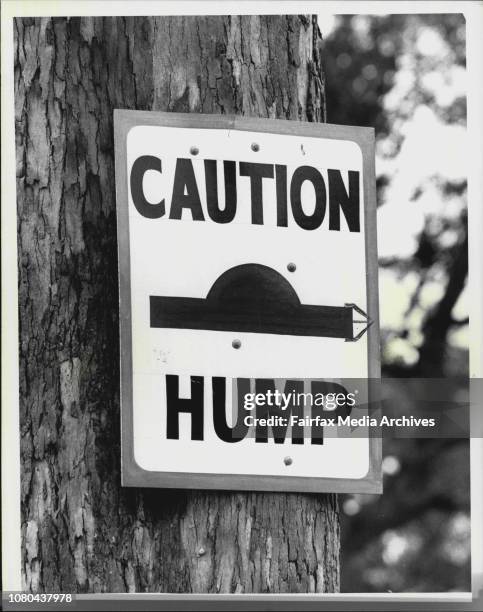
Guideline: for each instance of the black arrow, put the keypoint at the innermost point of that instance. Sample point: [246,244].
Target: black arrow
[366,320]
[257,299]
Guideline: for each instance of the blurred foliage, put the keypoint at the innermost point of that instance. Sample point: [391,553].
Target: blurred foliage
[404,75]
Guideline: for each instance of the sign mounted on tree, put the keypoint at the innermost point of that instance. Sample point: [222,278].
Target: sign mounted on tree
[248,279]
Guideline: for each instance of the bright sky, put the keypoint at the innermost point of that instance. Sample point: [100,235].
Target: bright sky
[432,152]
[326,23]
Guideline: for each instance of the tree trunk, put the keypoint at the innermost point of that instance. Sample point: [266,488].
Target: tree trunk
[81,531]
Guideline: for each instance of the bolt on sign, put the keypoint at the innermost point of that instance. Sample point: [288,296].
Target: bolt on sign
[247,266]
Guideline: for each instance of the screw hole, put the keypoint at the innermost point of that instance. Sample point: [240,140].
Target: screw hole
[291,267]
[236,344]
[288,460]
[194,150]
[255,147]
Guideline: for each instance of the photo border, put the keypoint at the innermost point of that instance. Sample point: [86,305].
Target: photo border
[11,536]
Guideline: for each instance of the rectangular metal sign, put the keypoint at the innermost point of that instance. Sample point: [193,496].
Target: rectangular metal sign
[248,280]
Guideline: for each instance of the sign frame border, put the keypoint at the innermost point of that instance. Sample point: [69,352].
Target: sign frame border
[132,474]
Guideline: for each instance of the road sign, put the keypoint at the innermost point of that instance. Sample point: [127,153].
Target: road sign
[248,273]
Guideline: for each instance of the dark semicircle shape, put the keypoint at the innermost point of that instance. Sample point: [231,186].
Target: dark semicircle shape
[253,287]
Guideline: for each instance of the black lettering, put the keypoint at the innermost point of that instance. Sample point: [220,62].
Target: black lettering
[326,388]
[281,180]
[256,172]
[185,181]
[302,174]
[175,405]
[339,198]
[263,385]
[139,168]
[223,431]
[228,213]
[317,432]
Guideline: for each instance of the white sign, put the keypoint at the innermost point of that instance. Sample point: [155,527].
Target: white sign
[247,271]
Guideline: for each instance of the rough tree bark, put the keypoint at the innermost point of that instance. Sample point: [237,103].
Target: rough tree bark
[81,530]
